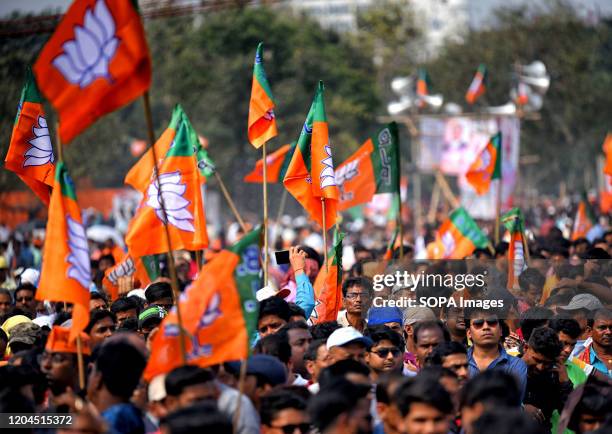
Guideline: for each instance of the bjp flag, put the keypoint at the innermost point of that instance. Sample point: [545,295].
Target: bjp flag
[487,166]
[30,153]
[274,162]
[212,318]
[65,274]
[607,148]
[310,176]
[478,85]
[96,61]
[262,122]
[515,224]
[584,221]
[457,237]
[179,193]
[144,270]
[328,286]
[422,86]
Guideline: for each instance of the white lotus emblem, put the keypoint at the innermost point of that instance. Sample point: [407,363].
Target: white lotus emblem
[176,205]
[88,56]
[41,151]
[79,253]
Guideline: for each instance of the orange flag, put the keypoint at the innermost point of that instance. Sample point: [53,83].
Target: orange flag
[213,321]
[607,148]
[356,179]
[275,162]
[328,287]
[583,222]
[180,189]
[30,153]
[96,61]
[65,274]
[127,267]
[262,122]
[310,176]
[487,166]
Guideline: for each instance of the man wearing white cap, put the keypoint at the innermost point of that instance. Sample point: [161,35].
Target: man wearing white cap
[347,343]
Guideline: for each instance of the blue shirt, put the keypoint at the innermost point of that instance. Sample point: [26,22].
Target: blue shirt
[124,419]
[598,363]
[304,293]
[504,362]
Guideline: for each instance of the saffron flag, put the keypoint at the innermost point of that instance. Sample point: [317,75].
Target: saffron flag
[262,122]
[65,274]
[515,224]
[310,175]
[584,220]
[328,286]
[522,93]
[392,245]
[422,86]
[457,237]
[478,86]
[373,168]
[30,153]
[96,61]
[144,270]
[487,166]
[213,321]
[181,196]
[274,163]
[607,148]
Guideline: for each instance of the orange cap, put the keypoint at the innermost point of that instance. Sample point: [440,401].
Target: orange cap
[57,342]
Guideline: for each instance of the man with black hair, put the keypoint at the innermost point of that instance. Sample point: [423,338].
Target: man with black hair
[548,385]
[187,385]
[125,308]
[274,313]
[425,406]
[531,284]
[160,294]
[342,408]
[427,336]
[349,369]
[533,318]
[299,338]
[24,298]
[599,352]
[454,319]
[316,359]
[451,355]
[297,313]
[203,417]
[263,373]
[489,390]
[591,412]
[6,301]
[507,421]
[323,330]
[283,412]
[97,301]
[385,354]
[487,353]
[356,295]
[387,412]
[115,372]
[102,325]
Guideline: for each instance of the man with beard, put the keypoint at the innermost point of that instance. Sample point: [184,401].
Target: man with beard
[548,385]
[59,362]
[455,323]
[599,352]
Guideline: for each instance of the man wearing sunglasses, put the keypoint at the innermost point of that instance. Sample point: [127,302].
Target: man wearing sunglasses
[283,412]
[385,355]
[484,330]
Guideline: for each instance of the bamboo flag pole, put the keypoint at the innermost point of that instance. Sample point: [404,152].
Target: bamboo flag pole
[401,226]
[241,380]
[446,190]
[80,363]
[230,202]
[171,267]
[324,231]
[265,212]
[498,210]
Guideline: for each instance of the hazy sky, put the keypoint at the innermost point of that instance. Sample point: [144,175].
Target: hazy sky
[8,6]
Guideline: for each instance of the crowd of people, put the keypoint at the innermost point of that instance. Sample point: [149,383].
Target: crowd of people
[539,362]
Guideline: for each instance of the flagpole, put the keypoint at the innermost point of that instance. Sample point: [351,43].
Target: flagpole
[498,210]
[279,215]
[171,267]
[241,380]
[265,212]
[401,226]
[80,363]
[230,202]
[324,232]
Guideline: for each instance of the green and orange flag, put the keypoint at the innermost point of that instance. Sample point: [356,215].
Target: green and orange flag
[515,224]
[30,153]
[374,168]
[217,319]
[310,176]
[328,286]
[487,166]
[478,85]
[607,148]
[275,162]
[65,274]
[96,61]
[457,237]
[262,121]
[422,86]
[142,270]
[180,193]
[584,221]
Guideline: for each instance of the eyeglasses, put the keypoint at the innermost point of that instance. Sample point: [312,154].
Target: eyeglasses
[302,428]
[384,352]
[491,322]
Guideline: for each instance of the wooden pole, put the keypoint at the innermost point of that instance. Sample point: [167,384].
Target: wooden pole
[80,363]
[171,267]
[241,380]
[230,202]
[265,212]
[498,210]
[433,206]
[324,231]
[401,225]
[198,258]
[446,190]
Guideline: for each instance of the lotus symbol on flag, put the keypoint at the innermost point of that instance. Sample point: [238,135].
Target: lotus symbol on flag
[176,205]
[328,178]
[448,241]
[126,268]
[41,151]
[269,115]
[212,311]
[88,56]
[79,253]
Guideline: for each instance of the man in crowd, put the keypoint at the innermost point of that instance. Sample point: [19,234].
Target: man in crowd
[24,299]
[283,412]
[347,343]
[451,355]
[599,352]
[274,313]
[102,325]
[160,294]
[263,373]
[187,385]
[6,301]
[299,338]
[385,354]
[356,294]
[125,308]
[388,316]
[454,320]
[427,336]
[316,359]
